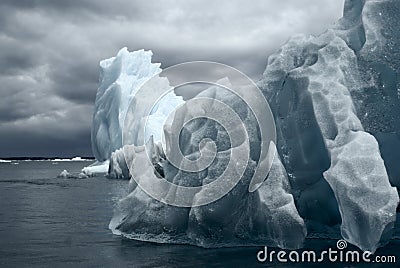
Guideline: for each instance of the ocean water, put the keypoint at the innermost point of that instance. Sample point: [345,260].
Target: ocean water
[47,221]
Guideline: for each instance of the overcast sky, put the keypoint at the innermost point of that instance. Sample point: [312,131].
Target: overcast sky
[50,52]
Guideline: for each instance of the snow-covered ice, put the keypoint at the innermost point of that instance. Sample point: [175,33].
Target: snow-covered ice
[96,168]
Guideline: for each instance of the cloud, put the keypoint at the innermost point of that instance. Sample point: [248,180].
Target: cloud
[50,51]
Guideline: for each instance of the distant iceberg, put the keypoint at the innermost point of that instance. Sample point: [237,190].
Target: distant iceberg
[74,159]
[120,78]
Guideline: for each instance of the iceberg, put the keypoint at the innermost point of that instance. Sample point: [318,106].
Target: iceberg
[120,79]
[265,216]
[96,168]
[74,159]
[328,97]
[335,99]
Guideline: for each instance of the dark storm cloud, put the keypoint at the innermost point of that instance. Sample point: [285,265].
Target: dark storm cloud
[75,81]
[50,51]
[13,60]
[30,144]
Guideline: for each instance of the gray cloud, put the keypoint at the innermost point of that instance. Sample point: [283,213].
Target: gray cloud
[50,51]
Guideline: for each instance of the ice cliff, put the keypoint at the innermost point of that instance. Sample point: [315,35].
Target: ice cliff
[335,99]
[120,78]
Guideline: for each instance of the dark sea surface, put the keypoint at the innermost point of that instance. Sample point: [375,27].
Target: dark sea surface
[47,221]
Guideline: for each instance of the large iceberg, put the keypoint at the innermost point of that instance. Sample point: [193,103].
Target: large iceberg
[329,94]
[266,216]
[335,99]
[120,79]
